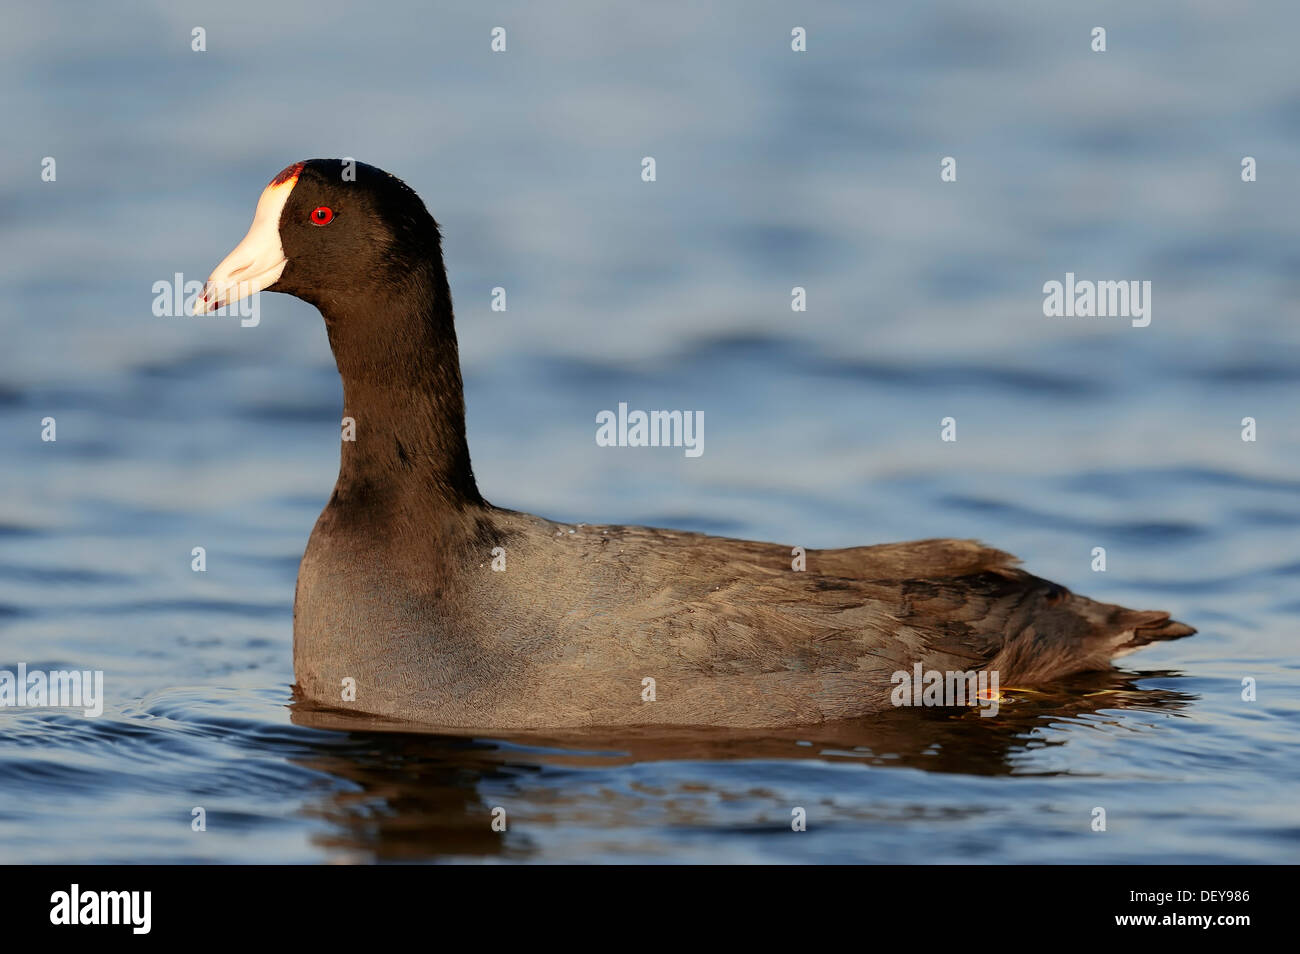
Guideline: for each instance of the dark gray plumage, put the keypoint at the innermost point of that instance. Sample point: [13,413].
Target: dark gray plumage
[396,590]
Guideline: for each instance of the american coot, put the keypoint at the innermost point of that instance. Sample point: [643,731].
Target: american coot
[400,612]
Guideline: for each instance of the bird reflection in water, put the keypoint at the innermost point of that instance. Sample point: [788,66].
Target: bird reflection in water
[415,793]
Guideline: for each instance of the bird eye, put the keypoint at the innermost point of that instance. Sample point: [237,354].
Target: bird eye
[322,215]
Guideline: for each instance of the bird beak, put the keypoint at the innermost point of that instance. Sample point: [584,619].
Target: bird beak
[255,263]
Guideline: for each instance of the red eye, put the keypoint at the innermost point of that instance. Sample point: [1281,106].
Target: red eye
[322,215]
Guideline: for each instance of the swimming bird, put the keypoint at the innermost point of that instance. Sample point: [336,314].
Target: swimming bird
[402,608]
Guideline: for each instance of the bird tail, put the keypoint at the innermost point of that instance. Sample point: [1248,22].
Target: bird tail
[1128,630]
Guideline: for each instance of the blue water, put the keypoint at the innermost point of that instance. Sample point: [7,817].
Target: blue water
[774,169]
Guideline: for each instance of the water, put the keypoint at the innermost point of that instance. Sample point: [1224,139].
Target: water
[775,169]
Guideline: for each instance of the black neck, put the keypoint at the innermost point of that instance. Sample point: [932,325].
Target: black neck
[396,351]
